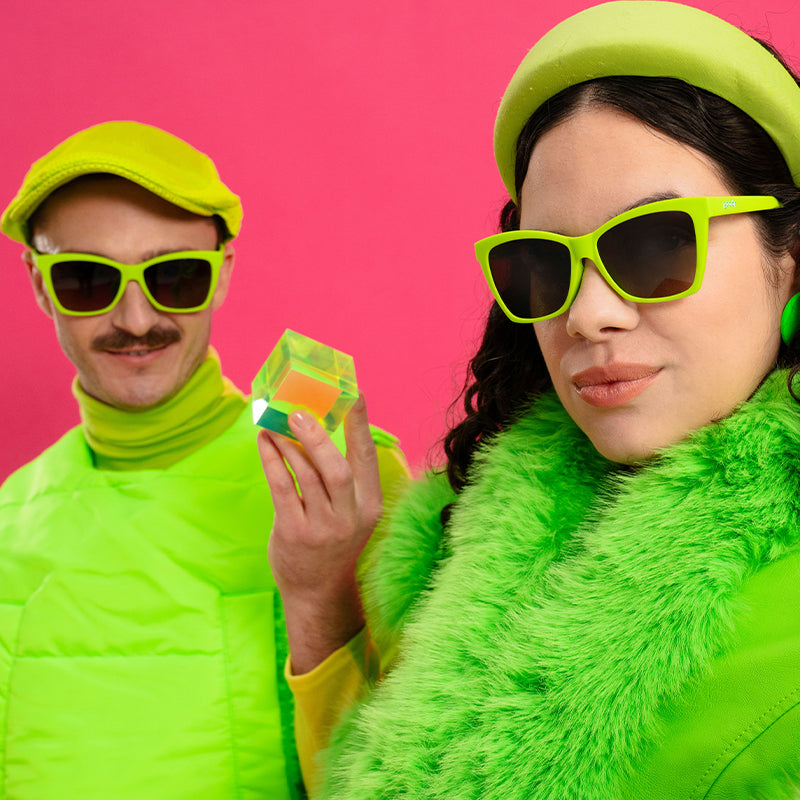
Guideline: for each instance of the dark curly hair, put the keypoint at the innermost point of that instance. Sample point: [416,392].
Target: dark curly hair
[508,371]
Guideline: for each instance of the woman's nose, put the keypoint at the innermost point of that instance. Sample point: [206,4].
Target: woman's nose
[597,309]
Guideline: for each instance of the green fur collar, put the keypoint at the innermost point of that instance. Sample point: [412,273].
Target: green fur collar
[571,599]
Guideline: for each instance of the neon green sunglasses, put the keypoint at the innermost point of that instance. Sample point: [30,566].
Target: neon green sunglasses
[650,254]
[81,285]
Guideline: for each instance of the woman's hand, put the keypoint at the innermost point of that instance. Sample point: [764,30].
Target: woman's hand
[319,533]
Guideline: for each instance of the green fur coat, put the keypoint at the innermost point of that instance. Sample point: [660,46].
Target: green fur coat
[585,631]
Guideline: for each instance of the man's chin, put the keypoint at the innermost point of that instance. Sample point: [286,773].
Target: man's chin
[134,398]
[131,385]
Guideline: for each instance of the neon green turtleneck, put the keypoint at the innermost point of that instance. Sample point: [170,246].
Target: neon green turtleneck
[157,437]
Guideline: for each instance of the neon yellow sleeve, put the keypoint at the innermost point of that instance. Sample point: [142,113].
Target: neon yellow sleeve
[393,468]
[322,695]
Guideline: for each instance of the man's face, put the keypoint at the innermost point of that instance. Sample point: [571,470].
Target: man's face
[132,356]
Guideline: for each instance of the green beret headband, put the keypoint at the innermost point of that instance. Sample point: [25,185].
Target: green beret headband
[652,38]
[156,160]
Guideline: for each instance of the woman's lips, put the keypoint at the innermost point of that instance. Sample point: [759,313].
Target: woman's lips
[615,385]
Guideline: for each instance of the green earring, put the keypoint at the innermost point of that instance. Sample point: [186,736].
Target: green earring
[790,320]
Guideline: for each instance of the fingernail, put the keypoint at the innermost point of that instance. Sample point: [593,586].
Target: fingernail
[301,418]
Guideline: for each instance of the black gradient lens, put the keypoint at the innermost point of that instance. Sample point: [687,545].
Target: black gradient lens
[532,276]
[84,285]
[179,283]
[651,256]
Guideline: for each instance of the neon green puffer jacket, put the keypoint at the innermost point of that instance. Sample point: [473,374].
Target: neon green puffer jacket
[140,630]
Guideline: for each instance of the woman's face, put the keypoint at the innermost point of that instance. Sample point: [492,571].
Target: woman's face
[640,377]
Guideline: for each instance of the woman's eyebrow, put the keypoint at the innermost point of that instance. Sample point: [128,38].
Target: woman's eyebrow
[653,198]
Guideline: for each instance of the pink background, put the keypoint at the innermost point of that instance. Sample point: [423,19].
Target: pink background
[358,134]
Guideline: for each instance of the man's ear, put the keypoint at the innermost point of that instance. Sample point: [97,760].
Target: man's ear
[43,299]
[225,272]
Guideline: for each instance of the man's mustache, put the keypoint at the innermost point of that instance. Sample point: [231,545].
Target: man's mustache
[122,340]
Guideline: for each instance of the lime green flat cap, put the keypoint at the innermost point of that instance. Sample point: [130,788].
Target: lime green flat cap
[652,38]
[158,161]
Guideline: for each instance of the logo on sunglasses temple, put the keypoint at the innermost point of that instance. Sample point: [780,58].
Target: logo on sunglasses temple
[729,204]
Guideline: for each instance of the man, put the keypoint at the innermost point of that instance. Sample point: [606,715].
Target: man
[141,636]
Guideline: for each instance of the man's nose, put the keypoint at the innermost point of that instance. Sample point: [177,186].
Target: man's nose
[134,313]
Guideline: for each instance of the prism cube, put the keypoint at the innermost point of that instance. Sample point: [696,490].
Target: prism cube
[303,373]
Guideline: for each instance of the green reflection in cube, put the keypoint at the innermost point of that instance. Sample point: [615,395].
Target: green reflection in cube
[303,373]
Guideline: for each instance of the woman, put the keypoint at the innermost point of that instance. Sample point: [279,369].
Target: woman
[598,598]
